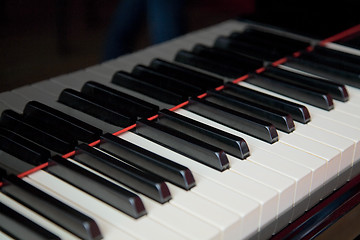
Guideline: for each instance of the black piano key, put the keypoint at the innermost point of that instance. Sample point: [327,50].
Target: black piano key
[148,161]
[184,144]
[298,112]
[22,148]
[227,57]
[140,181]
[3,173]
[38,113]
[13,165]
[278,37]
[29,93]
[127,80]
[281,120]
[274,46]
[19,227]
[329,73]
[313,97]
[56,211]
[192,59]
[107,95]
[196,78]
[97,186]
[239,121]
[90,106]
[332,62]
[337,91]
[282,40]
[231,144]
[58,142]
[352,41]
[343,56]
[165,82]
[247,49]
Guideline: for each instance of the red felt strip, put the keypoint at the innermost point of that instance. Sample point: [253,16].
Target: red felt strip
[179,106]
[125,129]
[260,70]
[153,117]
[240,79]
[341,35]
[35,169]
[280,61]
[336,37]
[296,54]
[202,95]
[220,88]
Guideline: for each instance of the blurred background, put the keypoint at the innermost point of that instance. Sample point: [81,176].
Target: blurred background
[40,39]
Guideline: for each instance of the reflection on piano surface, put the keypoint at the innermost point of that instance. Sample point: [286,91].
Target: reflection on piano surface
[237,131]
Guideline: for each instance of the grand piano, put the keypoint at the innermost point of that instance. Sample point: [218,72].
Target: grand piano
[237,131]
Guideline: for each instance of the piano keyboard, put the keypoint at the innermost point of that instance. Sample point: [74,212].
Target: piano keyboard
[213,135]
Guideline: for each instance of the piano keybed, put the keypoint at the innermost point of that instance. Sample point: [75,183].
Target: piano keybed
[234,161]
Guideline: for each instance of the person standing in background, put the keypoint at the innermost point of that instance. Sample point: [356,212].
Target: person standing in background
[165,20]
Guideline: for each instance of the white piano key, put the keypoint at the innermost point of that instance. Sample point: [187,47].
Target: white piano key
[228,222]
[319,120]
[76,80]
[165,51]
[264,195]
[259,156]
[353,92]
[108,231]
[309,177]
[283,185]
[247,209]
[36,218]
[343,48]
[4,236]
[111,221]
[331,155]
[89,75]
[306,169]
[344,145]
[180,221]
[351,108]
[341,130]
[101,71]
[119,64]
[67,81]
[97,74]
[3,106]
[13,101]
[50,87]
[192,227]
[129,62]
[342,117]
[30,93]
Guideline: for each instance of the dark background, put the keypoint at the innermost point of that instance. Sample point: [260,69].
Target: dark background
[40,39]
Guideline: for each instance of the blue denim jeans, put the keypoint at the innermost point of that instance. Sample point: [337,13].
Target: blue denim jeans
[165,19]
